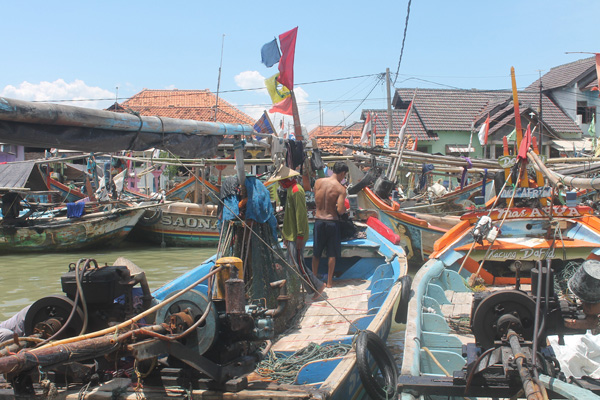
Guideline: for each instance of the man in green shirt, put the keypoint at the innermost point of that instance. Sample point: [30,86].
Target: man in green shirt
[295,227]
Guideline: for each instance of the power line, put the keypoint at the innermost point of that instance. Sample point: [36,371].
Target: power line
[403,40]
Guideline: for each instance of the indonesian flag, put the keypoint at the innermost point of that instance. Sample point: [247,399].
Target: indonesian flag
[367,128]
[483,131]
[405,123]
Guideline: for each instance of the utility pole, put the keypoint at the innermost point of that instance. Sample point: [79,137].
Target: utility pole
[389,103]
[540,117]
[320,115]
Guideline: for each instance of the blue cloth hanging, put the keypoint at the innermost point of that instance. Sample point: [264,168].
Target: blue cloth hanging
[75,210]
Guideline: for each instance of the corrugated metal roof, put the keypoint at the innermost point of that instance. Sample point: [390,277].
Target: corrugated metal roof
[569,145]
[15,175]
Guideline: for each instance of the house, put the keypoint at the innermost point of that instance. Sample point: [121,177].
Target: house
[445,121]
[200,105]
[11,152]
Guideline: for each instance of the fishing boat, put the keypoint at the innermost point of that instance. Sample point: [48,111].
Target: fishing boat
[178,224]
[496,286]
[56,231]
[452,326]
[203,334]
[418,231]
[229,329]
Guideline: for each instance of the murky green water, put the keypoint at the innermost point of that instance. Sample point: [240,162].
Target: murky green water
[25,278]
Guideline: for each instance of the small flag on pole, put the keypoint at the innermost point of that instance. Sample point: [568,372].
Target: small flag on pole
[483,132]
[264,124]
[364,138]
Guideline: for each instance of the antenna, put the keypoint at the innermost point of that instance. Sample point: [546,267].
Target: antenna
[219,79]
[117,96]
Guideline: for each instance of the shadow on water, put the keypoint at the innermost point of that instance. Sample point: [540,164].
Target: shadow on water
[26,278]
[395,341]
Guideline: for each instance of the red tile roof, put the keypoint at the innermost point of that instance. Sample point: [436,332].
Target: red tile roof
[335,129]
[329,144]
[184,104]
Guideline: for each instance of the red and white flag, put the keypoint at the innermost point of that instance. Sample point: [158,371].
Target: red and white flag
[483,131]
[367,128]
[405,123]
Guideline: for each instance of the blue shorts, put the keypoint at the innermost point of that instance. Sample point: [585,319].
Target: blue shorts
[326,235]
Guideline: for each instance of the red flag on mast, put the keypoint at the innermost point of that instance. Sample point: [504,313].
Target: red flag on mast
[283,107]
[287,43]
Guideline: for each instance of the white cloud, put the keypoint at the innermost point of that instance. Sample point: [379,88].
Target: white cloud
[250,80]
[77,91]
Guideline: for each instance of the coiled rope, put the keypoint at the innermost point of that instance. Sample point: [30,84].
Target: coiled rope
[284,369]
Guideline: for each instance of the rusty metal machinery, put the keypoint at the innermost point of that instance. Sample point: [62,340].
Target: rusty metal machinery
[219,335]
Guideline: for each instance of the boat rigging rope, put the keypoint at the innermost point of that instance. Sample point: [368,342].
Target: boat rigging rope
[282,259]
[490,213]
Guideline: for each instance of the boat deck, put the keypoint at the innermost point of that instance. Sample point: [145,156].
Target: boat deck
[320,322]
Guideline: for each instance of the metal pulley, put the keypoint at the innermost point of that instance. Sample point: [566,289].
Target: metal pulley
[183,312]
[47,315]
[494,315]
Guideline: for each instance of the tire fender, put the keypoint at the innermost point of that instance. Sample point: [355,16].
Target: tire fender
[370,346]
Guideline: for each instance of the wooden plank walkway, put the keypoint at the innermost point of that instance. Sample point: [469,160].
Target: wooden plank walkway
[321,322]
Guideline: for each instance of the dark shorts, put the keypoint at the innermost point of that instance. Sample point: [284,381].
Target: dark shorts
[326,235]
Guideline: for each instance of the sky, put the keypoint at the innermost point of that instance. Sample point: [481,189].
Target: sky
[91,53]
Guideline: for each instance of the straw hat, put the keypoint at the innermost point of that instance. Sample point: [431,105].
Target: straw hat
[283,173]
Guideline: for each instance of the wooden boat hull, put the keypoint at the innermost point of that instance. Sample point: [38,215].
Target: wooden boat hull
[336,378]
[178,225]
[67,195]
[64,234]
[416,233]
[440,307]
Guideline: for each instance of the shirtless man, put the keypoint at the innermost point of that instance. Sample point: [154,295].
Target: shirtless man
[329,197]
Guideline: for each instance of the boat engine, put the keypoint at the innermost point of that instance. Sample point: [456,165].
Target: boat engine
[220,338]
[95,297]
[510,348]
[494,313]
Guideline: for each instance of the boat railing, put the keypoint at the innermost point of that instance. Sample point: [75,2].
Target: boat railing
[428,334]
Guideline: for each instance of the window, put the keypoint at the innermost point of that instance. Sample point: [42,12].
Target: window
[585,112]
[8,148]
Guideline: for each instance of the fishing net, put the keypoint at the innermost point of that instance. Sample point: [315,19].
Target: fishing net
[561,278]
[264,263]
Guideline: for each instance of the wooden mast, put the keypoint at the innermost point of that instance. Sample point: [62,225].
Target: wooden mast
[523,181]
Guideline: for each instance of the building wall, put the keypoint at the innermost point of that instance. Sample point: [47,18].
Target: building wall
[9,153]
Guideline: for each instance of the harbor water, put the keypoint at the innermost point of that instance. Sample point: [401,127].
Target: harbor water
[26,278]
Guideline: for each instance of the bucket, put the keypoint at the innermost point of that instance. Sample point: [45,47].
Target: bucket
[585,282]
[383,187]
